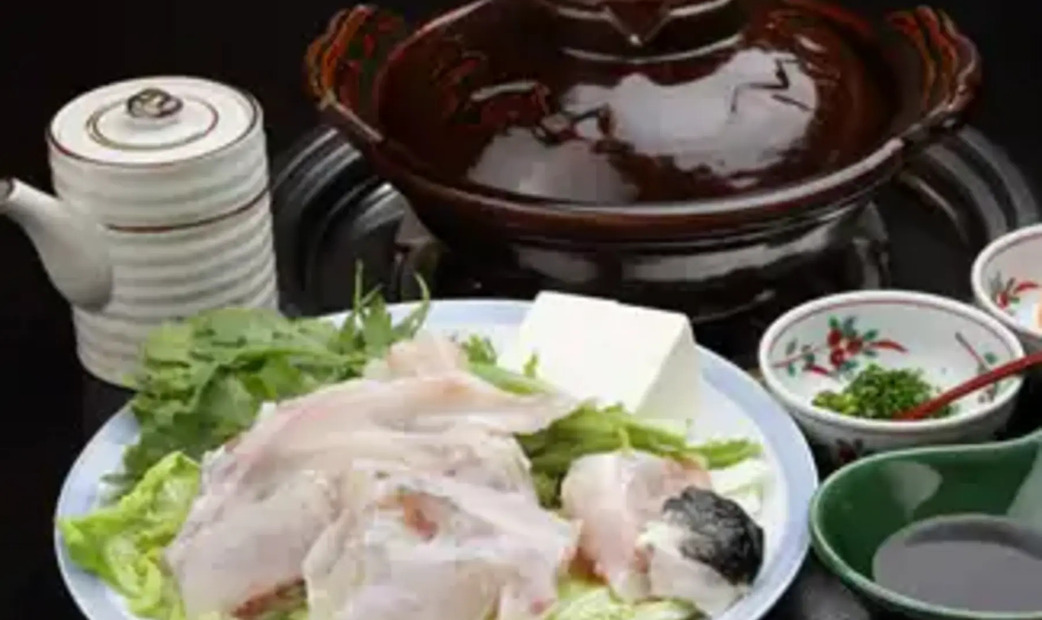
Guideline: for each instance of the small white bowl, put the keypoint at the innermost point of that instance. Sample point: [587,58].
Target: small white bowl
[822,345]
[1007,282]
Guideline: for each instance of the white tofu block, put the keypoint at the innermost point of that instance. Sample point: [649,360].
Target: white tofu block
[641,358]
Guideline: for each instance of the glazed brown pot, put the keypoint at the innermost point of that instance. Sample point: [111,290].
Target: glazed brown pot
[609,144]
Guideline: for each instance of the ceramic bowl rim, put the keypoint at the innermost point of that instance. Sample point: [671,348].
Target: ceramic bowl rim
[855,579]
[824,416]
[984,260]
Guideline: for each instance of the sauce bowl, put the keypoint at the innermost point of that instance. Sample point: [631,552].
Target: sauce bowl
[824,344]
[860,507]
[1007,283]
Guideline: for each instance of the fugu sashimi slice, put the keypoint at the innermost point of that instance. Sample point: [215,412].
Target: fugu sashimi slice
[415,404]
[614,495]
[439,548]
[264,465]
[359,457]
[425,355]
[426,404]
[463,453]
[256,548]
[382,569]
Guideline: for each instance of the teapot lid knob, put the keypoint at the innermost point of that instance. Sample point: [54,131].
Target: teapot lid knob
[153,104]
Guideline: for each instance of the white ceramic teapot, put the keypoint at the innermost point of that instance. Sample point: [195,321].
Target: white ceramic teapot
[162,211]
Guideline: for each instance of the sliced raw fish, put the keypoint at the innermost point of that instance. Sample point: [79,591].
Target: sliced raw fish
[653,528]
[279,485]
[437,548]
[288,498]
[257,548]
[419,403]
[614,495]
[330,417]
[425,355]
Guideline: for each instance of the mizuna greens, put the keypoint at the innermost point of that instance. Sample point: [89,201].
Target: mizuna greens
[592,429]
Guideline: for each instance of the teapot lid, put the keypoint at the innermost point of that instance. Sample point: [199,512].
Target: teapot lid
[153,121]
[622,101]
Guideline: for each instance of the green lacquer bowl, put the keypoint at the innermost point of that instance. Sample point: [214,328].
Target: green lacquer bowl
[860,507]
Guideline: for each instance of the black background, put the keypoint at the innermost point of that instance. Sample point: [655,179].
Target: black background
[50,52]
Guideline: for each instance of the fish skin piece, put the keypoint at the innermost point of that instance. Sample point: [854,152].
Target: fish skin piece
[614,496]
[436,548]
[704,549]
[719,533]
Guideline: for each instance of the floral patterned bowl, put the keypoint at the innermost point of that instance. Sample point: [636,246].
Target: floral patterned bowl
[1007,282]
[822,345]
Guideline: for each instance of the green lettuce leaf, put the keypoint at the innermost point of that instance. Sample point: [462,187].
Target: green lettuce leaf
[580,599]
[123,543]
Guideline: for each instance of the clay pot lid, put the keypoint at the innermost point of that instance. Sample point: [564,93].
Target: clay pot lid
[635,101]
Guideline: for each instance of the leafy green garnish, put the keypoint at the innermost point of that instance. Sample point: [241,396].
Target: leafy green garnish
[509,381]
[203,380]
[881,394]
[482,358]
[531,366]
[479,350]
[369,331]
[725,453]
[123,543]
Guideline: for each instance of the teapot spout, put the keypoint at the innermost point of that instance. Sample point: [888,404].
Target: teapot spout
[70,242]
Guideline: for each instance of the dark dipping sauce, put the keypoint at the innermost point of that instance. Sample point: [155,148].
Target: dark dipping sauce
[974,563]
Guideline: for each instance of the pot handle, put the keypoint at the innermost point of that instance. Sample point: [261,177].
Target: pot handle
[950,70]
[344,66]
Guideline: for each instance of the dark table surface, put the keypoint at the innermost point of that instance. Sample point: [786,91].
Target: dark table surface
[49,52]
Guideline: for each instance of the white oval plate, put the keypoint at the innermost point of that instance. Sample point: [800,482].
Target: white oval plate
[734,405]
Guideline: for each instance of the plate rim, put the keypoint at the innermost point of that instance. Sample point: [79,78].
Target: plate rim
[790,447]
